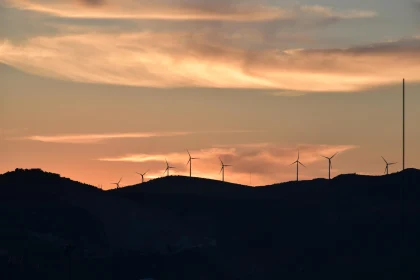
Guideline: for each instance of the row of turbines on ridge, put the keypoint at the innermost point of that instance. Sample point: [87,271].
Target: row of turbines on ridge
[297,162]
[223,165]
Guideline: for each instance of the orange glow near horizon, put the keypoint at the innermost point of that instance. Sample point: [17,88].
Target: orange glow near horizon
[99,90]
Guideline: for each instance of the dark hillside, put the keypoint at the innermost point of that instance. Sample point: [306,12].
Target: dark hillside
[189,186]
[191,228]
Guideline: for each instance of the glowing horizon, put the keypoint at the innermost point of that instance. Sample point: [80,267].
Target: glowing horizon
[96,90]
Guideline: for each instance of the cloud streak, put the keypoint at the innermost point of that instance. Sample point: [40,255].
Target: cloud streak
[171,60]
[220,10]
[268,162]
[95,138]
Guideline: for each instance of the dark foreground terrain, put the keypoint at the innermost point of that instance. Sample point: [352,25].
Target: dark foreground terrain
[352,227]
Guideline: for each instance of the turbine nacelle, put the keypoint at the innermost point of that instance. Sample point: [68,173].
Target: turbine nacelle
[167,168]
[387,165]
[297,162]
[329,164]
[223,168]
[142,175]
[118,184]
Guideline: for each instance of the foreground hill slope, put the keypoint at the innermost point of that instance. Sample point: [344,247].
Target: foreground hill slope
[190,228]
[349,227]
[38,205]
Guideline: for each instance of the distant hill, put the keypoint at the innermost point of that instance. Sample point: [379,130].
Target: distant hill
[188,186]
[181,185]
[25,181]
[350,227]
[40,210]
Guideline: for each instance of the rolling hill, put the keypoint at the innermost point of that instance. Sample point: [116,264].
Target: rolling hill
[191,228]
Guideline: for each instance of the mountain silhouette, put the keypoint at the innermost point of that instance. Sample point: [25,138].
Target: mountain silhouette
[188,186]
[192,228]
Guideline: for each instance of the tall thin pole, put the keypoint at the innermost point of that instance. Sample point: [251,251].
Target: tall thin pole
[223,174]
[402,189]
[329,169]
[297,171]
[403,101]
[190,166]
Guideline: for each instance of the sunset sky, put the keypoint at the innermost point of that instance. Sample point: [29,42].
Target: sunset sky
[97,90]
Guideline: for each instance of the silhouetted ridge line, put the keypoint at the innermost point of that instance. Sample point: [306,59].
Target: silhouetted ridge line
[37,180]
[187,185]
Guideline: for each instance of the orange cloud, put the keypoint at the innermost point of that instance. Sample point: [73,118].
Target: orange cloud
[180,10]
[268,163]
[168,60]
[95,138]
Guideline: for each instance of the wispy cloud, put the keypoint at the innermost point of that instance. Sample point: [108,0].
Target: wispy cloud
[286,93]
[221,10]
[268,162]
[167,60]
[329,12]
[95,138]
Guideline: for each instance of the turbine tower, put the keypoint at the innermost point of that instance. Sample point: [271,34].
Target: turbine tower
[329,164]
[190,161]
[142,175]
[223,169]
[167,168]
[297,162]
[387,164]
[117,184]
[403,128]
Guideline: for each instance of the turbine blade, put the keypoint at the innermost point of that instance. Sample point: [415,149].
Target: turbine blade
[334,155]
[298,155]
[392,163]
[221,169]
[221,160]
[301,164]
[188,153]
[324,157]
[294,162]
[119,180]
[188,161]
[227,165]
[384,159]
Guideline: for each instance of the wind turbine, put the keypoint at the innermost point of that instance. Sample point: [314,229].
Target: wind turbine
[142,175]
[223,169]
[167,168]
[190,161]
[297,167]
[118,184]
[329,164]
[387,164]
